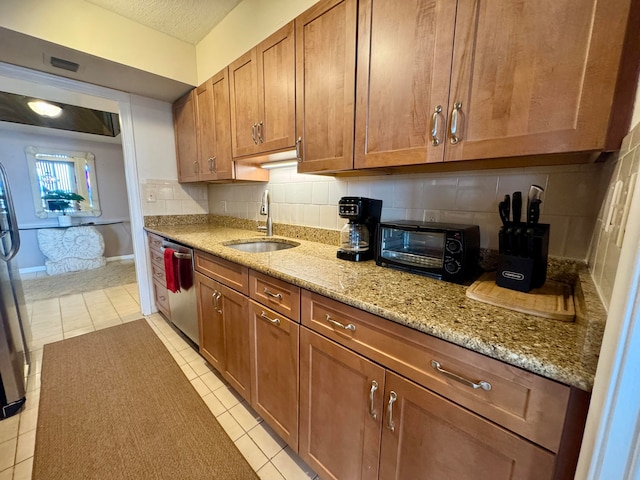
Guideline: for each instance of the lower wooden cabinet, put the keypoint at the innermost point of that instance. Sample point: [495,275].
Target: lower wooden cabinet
[224,332]
[274,370]
[340,409]
[361,421]
[427,436]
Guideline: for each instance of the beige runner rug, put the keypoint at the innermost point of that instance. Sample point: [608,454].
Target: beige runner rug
[115,405]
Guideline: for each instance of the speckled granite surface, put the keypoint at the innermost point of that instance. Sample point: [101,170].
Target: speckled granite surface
[562,351]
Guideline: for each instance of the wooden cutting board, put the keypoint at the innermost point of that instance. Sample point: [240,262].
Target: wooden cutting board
[553,300]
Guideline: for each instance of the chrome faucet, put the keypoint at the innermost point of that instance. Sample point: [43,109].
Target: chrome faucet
[265,209]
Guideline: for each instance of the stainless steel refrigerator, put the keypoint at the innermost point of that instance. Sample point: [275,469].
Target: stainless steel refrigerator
[14,327]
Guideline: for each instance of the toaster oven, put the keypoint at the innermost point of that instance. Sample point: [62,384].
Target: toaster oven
[446,251]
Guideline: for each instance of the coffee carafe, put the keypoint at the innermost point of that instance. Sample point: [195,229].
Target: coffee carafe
[358,236]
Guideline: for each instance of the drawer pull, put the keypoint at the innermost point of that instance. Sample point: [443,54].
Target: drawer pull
[275,321]
[215,300]
[481,384]
[435,141]
[272,295]
[349,326]
[372,412]
[392,398]
[162,298]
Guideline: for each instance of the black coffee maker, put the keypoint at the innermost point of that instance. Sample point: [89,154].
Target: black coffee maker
[358,237]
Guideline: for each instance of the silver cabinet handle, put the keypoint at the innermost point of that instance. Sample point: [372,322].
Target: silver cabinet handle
[195,167]
[212,164]
[298,152]
[253,133]
[275,321]
[273,295]
[392,398]
[434,126]
[372,412]
[481,384]
[349,326]
[214,299]
[260,139]
[454,123]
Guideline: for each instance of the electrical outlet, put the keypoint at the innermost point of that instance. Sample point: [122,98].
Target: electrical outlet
[222,205]
[151,195]
[431,216]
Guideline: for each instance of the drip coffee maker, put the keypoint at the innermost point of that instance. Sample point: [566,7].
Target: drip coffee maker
[357,237]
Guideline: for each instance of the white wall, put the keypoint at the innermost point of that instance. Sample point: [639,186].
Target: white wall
[88,28]
[112,191]
[161,194]
[246,25]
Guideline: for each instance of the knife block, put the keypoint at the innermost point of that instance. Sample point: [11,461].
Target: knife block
[522,259]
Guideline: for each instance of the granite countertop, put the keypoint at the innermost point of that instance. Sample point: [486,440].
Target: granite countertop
[563,351]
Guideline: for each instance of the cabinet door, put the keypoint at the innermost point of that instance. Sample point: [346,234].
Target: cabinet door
[210,321]
[435,438]
[184,125]
[274,372]
[533,77]
[276,81]
[214,134]
[339,436]
[404,63]
[235,318]
[325,85]
[243,85]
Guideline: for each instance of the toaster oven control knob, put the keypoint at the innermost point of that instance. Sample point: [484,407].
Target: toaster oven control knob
[452,266]
[453,246]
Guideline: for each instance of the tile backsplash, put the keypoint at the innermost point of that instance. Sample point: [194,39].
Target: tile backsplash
[571,200]
[605,251]
[163,197]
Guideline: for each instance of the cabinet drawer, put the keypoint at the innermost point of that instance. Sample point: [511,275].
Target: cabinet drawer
[158,274]
[155,242]
[157,258]
[525,403]
[276,294]
[226,272]
[161,297]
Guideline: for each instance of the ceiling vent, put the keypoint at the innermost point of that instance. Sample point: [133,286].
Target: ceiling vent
[64,64]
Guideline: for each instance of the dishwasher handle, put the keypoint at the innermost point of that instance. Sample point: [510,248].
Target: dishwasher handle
[181,256]
[177,253]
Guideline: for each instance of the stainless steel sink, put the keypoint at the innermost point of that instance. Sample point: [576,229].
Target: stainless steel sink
[260,245]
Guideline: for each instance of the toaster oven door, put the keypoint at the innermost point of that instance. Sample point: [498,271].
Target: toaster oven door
[417,250]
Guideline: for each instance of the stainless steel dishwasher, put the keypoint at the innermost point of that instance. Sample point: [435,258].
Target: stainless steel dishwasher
[184,314]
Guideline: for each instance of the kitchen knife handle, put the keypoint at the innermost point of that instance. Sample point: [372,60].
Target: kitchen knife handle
[516,205]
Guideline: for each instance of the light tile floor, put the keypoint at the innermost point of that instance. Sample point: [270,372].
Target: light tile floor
[65,317]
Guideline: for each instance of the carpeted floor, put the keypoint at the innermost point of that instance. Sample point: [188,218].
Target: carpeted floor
[115,405]
[111,275]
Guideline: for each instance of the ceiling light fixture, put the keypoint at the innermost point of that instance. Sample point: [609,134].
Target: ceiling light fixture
[45,109]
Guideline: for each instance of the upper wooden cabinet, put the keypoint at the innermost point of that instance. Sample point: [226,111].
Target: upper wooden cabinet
[184,125]
[325,85]
[442,82]
[214,128]
[263,96]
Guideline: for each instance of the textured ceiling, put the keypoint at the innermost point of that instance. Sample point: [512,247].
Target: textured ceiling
[187,20]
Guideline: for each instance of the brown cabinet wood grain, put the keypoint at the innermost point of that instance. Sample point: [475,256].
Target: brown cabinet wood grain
[339,438]
[223,316]
[427,436]
[274,370]
[522,80]
[263,96]
[527,404]
[184,126]
[213,128]
[325,85]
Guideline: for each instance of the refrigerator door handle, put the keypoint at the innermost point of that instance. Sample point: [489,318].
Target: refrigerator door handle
[11,217]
